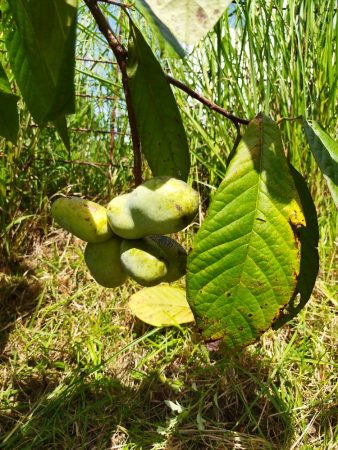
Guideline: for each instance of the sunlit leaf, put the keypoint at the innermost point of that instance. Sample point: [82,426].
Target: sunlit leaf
[168,43]
[9,119]
[188,20]
[40,39]
[161,306]
[325,151]
[246,256]
[159,123]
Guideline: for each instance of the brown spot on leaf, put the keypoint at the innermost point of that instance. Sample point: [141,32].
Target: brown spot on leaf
[201,15]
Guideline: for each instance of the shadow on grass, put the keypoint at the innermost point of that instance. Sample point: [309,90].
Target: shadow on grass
[194,405]
[19,293]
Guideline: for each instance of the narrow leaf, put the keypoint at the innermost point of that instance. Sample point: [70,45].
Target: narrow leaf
[309,261]
[161,306]
[40,39]
[60,124]
[168,42]
[188,20]
[9,119]
[245,260]
[325,151]
[159,123]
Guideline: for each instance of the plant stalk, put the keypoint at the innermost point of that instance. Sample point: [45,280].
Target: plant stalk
[121,57]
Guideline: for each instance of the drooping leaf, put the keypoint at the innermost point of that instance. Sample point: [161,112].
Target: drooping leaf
[309,258]
[159,123]
[325,151]
[40,39]
[188,20]
[161,306]
[168,43]
[9,119]
[60,124]
[245,260]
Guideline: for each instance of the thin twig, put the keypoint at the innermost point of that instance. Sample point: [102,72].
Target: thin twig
[112,132]
[97,61]
[121,57]
[289,119]
[213,106]
[77,162]
[112,2]
[98,97]
[82,130]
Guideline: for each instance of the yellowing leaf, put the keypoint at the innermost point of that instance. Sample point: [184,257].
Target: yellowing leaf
[161,306]
[188,20]
[245,261]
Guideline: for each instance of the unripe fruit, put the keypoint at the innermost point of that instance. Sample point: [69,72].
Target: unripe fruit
[153,259]
[162,205]
[85,219]
[119,216]
[144,261]
[175,256]
[104,264]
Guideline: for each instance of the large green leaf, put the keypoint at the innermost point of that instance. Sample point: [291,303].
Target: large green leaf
[9,119]
[168,43]
[40,39]
[309,261]
[325,151]
[246,257]
[162,135]
[188,20]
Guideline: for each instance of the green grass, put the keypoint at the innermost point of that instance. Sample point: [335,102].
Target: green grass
[77,370]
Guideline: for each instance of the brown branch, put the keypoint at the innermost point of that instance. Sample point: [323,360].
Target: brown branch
[213,106]
[112,136]
[121,57]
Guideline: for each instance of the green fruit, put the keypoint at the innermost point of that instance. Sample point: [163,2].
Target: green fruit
[85,219]
[144,261]
[153,259]
[175,256]
[104,264]
[119,217]
[162,205]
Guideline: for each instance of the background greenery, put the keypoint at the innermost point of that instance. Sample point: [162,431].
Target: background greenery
[77,371]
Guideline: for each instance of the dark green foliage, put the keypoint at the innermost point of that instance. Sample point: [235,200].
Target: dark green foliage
[9,120]
[159,124]
[40,39]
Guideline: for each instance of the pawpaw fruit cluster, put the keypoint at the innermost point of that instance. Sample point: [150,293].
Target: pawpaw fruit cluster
[126,239]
